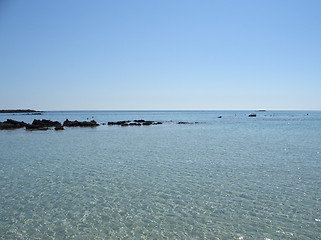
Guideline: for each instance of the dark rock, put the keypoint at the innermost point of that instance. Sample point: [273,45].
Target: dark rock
[118,123]
[14,122]
[252,115]
[68,123]
[92,123]
[59,128]
[45,123]
[148,123]
[18,111]
[32,127]
[219,116]
[6,126]
[139,121]
[134,124]
[186,122]
[11,124]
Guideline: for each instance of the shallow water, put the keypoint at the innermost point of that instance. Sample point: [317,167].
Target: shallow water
[230,178]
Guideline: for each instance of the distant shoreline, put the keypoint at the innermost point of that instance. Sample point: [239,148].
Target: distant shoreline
[19,111]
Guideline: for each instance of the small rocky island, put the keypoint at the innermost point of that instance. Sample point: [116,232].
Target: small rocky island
[19,111]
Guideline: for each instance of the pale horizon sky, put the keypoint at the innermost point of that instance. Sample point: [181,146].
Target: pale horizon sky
[160,55]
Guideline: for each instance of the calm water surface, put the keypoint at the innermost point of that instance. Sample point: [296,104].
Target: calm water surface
[233,177]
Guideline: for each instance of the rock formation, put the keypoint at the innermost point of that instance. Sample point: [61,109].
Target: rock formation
[68,123]
[42,124]
[12,124]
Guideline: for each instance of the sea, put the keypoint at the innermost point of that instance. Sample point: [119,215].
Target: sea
[228,176]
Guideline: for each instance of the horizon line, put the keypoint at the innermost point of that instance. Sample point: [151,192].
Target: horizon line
[74,110]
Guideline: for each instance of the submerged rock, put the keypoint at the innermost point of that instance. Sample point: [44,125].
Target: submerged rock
[31,127]
[37,113]
[187,122]
[134,123]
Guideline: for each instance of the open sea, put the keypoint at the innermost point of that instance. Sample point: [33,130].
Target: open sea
[233,177]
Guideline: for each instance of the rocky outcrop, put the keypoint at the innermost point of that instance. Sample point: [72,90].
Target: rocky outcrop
[68,123]
[147,123]
[48,124]
[42,124]
[139,121]
[12,124]
[45,123]
[118,123]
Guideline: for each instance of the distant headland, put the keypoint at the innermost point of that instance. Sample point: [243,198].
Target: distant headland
[19,111]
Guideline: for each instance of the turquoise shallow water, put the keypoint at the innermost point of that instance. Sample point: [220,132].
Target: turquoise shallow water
[229,178]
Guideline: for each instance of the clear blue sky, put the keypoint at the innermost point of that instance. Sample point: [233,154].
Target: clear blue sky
[163,54]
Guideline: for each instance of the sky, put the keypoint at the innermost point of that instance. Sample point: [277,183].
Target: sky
[160,55]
